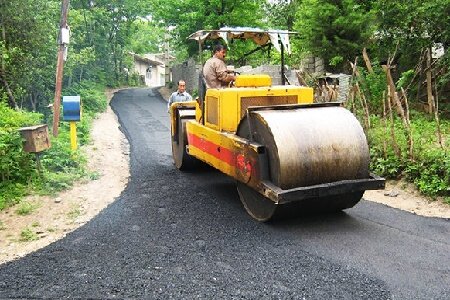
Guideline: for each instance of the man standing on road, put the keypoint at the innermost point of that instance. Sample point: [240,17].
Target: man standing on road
[180,95]
[215,70]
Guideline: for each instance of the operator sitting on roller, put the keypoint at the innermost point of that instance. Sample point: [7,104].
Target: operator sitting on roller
[180,95]
[215,70]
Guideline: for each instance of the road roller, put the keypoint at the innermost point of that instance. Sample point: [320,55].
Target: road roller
[289,155]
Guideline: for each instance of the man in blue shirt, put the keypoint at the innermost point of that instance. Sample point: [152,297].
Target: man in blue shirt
[180,95]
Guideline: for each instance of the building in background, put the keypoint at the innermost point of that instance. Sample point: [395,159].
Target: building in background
[151,68]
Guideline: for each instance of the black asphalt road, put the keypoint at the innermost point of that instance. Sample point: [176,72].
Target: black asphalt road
[175,235]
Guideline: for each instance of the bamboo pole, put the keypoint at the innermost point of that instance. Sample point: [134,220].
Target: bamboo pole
[436,117]
[384,122]
[364,105]
[429,83]
[407,125]
[367,61]
[393,95]
[391,117]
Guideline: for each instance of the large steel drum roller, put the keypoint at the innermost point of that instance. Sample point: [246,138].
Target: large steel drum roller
[306,146]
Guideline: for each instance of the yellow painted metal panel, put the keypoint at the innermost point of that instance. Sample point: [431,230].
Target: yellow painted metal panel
[213,142]
[212,111]
[232,102]
[73,135]
[247,80]
[306,95]
[229,118]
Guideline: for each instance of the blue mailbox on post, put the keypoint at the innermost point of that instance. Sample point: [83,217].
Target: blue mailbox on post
[71,108]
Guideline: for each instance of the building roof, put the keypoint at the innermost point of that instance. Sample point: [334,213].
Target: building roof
[147,60]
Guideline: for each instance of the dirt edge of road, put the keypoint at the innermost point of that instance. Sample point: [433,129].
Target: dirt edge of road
[56,216]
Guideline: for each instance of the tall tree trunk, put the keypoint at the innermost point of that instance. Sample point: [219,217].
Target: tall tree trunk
[11,100]
[429,83]
[33,100]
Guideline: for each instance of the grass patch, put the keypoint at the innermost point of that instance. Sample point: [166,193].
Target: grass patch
[51,229]
[447,200]
[74,213]
[429,169]
[61,166]
[2,225]
[25,208]
[28,235]
[94,175]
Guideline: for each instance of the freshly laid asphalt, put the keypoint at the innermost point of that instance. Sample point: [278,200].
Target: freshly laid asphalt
[181,235]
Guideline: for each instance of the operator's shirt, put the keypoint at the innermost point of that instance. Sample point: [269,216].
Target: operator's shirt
[215,73]
[178,97]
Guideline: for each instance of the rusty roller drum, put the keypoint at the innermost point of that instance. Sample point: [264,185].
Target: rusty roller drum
[306,146]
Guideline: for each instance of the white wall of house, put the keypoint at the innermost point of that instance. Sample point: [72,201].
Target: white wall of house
[153,71]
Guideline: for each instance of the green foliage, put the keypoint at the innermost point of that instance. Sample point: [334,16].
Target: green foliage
[16,119]
[60,165]
[281,14]
[430,168]
[28,49]
[411,26]
[405,78]
[11,193]
[25,208]
[92,96]
[431,172]
[335,31]
[16,166]
[148,37]
[28,235]
[188,16]
[75,212]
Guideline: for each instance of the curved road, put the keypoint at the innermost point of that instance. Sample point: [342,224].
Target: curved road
[175,235]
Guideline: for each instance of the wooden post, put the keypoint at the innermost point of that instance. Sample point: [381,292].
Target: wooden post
[59,67]
[391,117]
[393,94]
[436,117]
[407,124]
[362,97]
[367,61]
[383,119]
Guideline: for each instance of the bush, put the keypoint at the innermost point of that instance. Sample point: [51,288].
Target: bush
[16,166]
[429,169]
[60,165]
[93,99]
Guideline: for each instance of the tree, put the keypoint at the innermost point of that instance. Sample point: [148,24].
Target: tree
[281,14]
[336,31]
[107,27]
[188,16]
[411,27]
[27,41]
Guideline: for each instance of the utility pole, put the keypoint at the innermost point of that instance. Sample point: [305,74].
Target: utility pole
[60,65]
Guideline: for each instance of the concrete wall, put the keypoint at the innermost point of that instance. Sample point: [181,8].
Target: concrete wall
[312,65]
[273,71]
[187,71]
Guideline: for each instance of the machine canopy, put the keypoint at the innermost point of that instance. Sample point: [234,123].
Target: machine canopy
[260,36]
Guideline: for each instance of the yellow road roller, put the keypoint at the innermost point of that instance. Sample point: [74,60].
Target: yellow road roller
[289,156]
